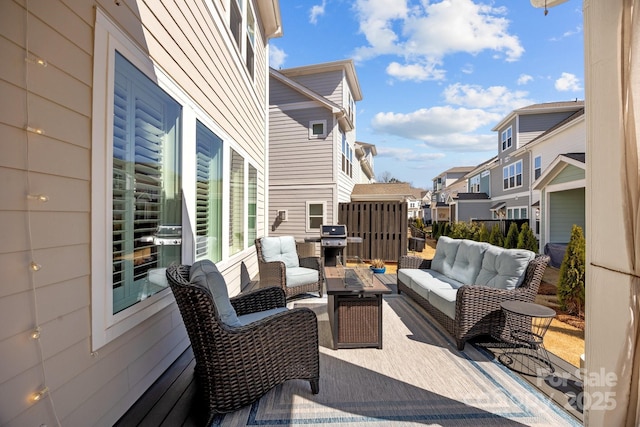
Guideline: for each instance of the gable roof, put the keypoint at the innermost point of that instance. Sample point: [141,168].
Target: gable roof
[345,65]
[547,107]
[558,164]
[472,196]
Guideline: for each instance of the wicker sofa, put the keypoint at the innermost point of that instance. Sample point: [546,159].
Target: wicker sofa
[464,284]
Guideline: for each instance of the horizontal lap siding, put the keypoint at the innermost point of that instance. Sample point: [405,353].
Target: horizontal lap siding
[293,200]
[91,389]
[566,209]
[328,84]
[293,157]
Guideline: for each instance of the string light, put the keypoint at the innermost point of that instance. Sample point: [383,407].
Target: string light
[35,334]
[38,395]
[34,266]
[39,197]
[33,59]
[38,131]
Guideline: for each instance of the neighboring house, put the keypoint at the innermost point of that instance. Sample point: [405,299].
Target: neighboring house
[134,136]
[364,154]
[475,202]
[384,192]
[313,164]
[446,186]
[512,174]
[426,206]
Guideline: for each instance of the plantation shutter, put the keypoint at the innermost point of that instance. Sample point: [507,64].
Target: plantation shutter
[143,117]
[208,194]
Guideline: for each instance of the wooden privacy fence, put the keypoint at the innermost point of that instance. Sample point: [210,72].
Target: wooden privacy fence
[381,225]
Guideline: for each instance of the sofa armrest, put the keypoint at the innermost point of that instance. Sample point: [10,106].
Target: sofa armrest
[311,262]
[408,261]
[259,300]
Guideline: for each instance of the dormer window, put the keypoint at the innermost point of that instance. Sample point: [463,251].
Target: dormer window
[506,139]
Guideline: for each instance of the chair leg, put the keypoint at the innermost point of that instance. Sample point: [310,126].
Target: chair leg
[315,385]
[460,344]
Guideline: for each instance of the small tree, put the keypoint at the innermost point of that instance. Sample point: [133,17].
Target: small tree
[526,238]
[572,273]
[496,238]
[511,242]
[483,233]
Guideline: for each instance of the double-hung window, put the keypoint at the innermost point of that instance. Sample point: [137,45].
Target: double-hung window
[315,215]
[537,167]
[474,184]
[506,138]
[347,156]
[242,24]
[512,175]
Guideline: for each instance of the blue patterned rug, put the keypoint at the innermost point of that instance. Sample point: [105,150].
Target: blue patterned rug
[419,378]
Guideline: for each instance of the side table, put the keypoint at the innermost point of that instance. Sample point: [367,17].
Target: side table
[526,323]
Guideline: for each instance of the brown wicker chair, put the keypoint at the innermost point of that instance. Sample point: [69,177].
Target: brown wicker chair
[478,309]
[274,273]
[237,365]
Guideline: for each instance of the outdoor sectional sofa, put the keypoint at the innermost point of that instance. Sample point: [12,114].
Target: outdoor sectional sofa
[464,284]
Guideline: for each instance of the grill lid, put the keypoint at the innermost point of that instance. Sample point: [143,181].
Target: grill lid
[333,231]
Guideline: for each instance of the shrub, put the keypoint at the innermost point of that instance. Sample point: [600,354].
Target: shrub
[460,230]
[420,223]
[496,238]
[572,274]
[446,229]
[526,239]
[483,233]
[511,242]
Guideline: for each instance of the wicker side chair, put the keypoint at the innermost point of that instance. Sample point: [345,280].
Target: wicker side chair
[276,269]
[236,365]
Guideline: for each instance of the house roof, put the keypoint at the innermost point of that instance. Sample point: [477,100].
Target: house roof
[547,107]
[271,19]
[498,206]
[336,109]
[558,164]
[381,191]
[345,65]
[456,169]
[472,196]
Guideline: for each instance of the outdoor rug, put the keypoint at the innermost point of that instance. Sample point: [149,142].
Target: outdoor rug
[418,378]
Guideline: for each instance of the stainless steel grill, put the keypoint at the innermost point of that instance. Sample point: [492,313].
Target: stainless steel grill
[333,240]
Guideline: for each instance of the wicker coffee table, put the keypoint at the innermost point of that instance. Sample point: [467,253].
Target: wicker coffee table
[355,307]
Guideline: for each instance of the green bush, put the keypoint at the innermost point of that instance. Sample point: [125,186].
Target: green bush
[495,237]
[420,223]
[526,239]
[483,233]
[511,242]
[572,273]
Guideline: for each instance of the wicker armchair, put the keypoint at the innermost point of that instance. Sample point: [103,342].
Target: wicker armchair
[478,309]
[237,365]
[274,272]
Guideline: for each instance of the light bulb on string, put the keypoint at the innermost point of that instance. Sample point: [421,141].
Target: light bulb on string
[34,266]
[39,197]
[40,394]
[35,334]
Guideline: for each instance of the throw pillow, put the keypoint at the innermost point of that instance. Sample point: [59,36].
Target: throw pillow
[205,274]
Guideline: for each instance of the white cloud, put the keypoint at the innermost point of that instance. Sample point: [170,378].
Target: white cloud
[424,34]
[276,56]
[442,127]
[524,79]
[568,83]
[467,69]
[316,11]
[415,72]
[569,33]
[407,154]
[497,99]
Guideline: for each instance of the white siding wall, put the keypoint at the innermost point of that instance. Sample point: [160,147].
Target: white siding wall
[92,389]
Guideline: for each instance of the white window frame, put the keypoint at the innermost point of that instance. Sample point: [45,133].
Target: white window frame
[307,214]
[324,129]
[506,170]
[474,184]
[507,138]
[537,166]
[106,326]
[520,210]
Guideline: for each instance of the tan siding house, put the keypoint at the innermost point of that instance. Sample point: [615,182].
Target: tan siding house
[134,135]
[313,164]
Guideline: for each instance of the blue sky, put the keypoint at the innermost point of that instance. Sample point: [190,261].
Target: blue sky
[437,76]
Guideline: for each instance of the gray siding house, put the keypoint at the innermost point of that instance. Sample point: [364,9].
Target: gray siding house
[314,158]
[134,135]
[512,175]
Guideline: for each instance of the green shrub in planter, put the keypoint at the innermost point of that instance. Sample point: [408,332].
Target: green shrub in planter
[572,274]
